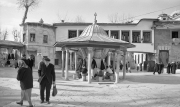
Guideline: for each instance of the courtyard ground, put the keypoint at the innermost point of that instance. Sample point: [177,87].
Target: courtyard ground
[139,89]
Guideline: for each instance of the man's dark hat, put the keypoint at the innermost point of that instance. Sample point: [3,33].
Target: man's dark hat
[46,59]
[25,60]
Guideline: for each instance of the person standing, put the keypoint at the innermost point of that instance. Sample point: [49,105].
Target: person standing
[169,68]
[173,67]
[156,68]
[129,67]
[31,62]
[26,82]
[47,77]
[137,67]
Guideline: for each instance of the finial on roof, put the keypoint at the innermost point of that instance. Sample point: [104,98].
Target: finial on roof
[41,21]
[95,21]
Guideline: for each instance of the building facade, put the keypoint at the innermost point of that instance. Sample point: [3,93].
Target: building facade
[140,34]
[38,39]
[155,39]
[167,38]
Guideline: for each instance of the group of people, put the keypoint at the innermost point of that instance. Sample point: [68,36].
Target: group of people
[158,68]
[46,74]
[105,74]
[103,71]
[171,68]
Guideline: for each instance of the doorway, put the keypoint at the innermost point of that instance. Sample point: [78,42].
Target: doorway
[164,57]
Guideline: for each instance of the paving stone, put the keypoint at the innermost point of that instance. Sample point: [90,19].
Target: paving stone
[138,90]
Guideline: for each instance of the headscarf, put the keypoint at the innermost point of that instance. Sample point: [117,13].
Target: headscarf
[23,63]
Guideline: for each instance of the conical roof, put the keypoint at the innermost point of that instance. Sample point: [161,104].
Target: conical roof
[94,34]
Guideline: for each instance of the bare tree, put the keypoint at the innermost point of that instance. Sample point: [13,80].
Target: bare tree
[79,19]
[3,34]
[115,18]
[16,35]
[26,4]
[63,18]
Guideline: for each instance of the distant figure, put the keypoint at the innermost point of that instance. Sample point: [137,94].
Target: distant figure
[16,64]
[169,68]
[137,67]
[31,62]
[84,70]
[161,67]
[121,66]
[156,68]
[173,66]
[140,65]
[78,69]
[129,67]
[108,72]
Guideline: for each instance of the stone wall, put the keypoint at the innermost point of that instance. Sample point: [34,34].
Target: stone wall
[38,48]
[163,41]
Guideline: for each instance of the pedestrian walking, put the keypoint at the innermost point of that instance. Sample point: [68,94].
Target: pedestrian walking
[26,82]
[47,77]
[156,68]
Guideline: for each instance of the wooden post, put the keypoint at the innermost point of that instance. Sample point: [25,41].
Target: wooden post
[75,62]
[90,49]
[70,60]
[67,61]
[124,64]
[109,58]
[63,63]
[117,67]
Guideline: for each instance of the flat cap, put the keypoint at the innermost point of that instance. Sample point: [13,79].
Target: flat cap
[46,59]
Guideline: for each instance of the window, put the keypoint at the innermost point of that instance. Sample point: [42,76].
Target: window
[72,33]
[107,32]
[115,34]
[80,32]
[56,61]
[136,38]
[24,37]
[125,36]
[146,37]
[164,18]
[45,38]
[32,37]
[174,34]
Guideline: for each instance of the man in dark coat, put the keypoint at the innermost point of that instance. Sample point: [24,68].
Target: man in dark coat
[78,69]
[169,68]
[173,65]
[156,68]
[159,68]
[47,77]
[31,62]
[93,64]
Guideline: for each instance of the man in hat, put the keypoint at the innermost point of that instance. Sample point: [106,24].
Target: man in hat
[47,77]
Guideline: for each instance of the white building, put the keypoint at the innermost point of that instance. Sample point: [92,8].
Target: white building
[140,34]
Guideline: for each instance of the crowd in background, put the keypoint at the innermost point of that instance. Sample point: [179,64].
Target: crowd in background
[171,68]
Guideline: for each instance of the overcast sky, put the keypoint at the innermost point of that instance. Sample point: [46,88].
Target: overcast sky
[49,10]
